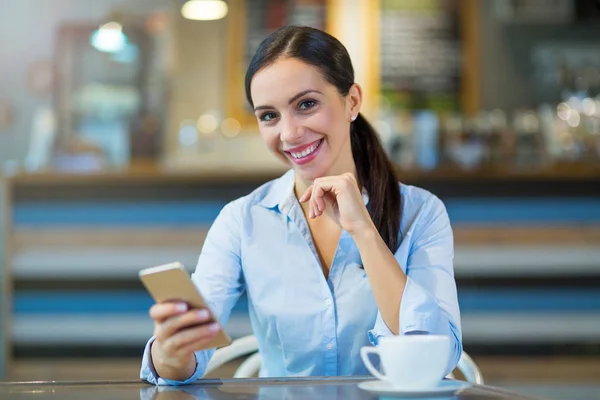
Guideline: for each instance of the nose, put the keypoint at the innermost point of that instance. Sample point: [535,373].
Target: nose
[291,132]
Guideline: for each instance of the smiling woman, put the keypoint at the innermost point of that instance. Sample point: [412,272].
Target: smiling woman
[333,255]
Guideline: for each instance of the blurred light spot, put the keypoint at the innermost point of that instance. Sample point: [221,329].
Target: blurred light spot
[574,102]
[563,110]
[588,106]
[230,127]
[204,10]
[109,38]
[207,123]
[188,135]
[530,122]
[573,119]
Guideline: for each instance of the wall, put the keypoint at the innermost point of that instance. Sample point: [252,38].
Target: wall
[198,71]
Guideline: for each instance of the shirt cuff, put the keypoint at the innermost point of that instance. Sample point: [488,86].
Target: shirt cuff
[149,374]
[419,314]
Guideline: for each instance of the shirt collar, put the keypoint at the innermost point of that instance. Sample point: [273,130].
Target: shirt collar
[281,193]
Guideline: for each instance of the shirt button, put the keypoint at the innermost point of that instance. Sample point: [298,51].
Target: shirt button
[327,302]
[329,346]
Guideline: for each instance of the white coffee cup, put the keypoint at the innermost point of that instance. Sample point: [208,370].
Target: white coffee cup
[410,362]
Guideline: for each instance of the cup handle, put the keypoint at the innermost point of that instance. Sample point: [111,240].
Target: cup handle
[364,354]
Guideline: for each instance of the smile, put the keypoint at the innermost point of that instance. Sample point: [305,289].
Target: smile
[307,151]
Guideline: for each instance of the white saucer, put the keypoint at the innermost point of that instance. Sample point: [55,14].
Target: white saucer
[445,387]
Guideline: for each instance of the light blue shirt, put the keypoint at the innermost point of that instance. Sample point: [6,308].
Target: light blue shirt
[307,325]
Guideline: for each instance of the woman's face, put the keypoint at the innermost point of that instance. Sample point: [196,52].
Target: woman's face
[303,119]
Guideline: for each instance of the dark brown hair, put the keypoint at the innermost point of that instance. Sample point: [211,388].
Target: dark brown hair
[375,172]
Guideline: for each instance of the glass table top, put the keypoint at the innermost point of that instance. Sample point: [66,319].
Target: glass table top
[312,388]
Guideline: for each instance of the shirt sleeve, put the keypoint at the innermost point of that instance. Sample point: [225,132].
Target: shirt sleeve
[429,304]
[219,278]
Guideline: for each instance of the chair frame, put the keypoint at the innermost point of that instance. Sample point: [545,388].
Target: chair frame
[248,345]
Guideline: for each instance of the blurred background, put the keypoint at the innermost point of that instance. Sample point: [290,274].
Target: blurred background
[124,130]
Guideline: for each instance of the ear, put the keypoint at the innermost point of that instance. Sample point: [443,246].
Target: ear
[354,101]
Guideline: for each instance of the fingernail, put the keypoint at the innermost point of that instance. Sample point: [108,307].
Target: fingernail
[213,327]
[181,307]
[203,314]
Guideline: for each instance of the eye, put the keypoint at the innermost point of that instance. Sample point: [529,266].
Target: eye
[268,116]
[307,104]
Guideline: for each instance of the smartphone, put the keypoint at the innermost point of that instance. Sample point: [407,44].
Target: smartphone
[172,282]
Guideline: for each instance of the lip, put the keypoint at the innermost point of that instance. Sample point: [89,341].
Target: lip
[308,158]
[301,148]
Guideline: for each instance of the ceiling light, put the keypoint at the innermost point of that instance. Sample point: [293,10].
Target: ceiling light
[109,38]
[204,10]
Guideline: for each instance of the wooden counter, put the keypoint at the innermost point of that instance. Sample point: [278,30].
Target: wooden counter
[558,172]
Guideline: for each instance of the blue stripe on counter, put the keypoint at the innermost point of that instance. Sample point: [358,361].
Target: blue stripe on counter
[510,210]
[111,214]
[530,300]
[535,210]
[44,302]
[25,302]
[538,301]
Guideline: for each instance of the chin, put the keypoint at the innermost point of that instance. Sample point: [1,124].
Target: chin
[309,173]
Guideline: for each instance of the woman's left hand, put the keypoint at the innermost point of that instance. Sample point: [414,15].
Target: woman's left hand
[340,198]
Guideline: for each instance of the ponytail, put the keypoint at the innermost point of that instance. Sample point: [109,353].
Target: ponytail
[378,177]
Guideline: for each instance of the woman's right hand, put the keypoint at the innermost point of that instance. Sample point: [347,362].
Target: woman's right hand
[179,332]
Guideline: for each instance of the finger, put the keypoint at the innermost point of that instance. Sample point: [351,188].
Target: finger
[320,189]
[194,339]
[198,345]
[170,326]
[316,206]
[186,337]
[313,211]
[306,195]
[161,311]
[316,209]
[320,204]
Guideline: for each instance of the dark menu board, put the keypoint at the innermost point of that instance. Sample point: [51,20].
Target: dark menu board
[421,54]
[260,19]
[265,16]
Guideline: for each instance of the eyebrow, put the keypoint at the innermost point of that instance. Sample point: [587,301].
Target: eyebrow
[290,101]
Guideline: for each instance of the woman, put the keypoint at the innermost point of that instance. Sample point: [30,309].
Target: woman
[335,253]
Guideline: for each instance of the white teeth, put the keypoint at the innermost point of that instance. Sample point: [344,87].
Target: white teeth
[306,151]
